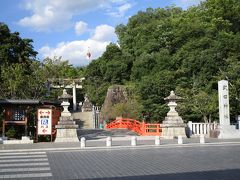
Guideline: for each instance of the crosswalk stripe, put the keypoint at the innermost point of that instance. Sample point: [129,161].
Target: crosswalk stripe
[24,164]
[23,160]
[25,156]
[20,153]
[24,169]
[8,176]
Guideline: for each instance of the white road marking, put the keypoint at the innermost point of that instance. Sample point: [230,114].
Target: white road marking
[24,165]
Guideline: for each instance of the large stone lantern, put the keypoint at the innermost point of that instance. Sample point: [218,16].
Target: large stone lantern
[65,104]
[172,115]
[66,128]
[173,125]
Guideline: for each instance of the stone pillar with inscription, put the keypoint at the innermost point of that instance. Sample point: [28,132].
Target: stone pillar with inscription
[225,130]
[223,96]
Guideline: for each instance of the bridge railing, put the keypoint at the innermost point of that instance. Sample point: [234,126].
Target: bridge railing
[141,128]
[151,129]
[148,129]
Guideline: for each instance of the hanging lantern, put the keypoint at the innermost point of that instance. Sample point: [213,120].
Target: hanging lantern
[88,54]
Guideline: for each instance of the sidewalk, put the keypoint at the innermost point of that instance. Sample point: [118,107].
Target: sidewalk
[117,142]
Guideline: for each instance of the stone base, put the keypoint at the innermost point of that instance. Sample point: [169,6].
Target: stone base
[173,132]
[173,120]
[225,132]
[66,118]
[65,114]
[24,140]
[66,123]
[67,135]
[2,139]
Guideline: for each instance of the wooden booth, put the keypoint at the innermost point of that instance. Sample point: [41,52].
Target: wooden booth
[33,117]
[16,113]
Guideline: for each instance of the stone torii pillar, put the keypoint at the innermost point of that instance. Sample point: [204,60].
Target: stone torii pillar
[74,86]
[74,96]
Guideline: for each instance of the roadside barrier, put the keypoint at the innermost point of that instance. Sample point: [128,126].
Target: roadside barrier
[202,139]
[109,141]
[83,142]
[157,140]
[180,140]
[134,141]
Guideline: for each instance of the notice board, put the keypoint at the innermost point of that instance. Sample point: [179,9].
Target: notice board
[44,122]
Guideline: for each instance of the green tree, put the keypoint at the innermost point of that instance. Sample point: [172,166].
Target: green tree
[13,48]
[18,83]
[113,67]
[168,49]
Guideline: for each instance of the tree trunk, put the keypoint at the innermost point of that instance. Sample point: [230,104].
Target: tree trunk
[205,118]
[210,118]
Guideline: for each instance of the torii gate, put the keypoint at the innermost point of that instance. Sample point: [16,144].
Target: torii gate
[68,84]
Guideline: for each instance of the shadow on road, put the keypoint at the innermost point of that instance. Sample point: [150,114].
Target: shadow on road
[94,134]
[232,174]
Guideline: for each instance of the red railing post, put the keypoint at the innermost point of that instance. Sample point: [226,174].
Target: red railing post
[158,128]
[120,121]
[134,125]
[143,128]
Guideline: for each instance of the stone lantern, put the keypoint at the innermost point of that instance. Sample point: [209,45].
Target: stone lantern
[173,125]
[66,127]
[65,104]
[172,115]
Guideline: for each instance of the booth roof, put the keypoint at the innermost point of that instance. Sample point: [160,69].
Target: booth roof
[19,101]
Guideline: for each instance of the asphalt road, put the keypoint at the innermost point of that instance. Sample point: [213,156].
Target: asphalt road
[169,162]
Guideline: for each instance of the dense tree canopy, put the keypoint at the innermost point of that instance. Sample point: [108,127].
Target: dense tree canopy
[14,49]
[173,49]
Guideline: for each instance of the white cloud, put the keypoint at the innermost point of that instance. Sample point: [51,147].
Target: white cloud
[120,10]
[46,20]
[104,33]
[80,27]
[56,15]
[75,51]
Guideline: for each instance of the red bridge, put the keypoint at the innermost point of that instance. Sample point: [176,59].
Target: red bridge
[141,128]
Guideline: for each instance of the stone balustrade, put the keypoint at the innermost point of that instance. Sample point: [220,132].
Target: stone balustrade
[200,128]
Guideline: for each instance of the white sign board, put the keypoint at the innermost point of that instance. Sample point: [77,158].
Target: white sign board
[44,121]
[223,94]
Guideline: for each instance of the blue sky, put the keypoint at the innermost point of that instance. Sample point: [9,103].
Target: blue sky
[69,28]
